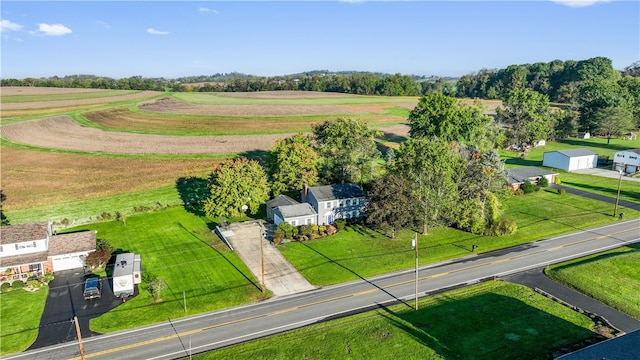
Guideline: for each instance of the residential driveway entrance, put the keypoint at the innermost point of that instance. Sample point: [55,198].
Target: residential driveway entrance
[279,275]
[65,301]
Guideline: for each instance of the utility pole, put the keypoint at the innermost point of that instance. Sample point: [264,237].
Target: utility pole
[615,209]
[261,255]
[75,320]
[415,245]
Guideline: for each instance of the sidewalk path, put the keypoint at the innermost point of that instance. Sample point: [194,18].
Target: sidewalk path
[537,279]
[280,277]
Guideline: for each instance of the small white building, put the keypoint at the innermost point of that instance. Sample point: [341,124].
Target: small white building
[570,160]
[628,161]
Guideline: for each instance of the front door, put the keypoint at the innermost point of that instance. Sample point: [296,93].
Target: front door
[329,219]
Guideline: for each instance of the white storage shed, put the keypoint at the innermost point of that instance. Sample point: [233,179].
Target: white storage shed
[627,160]
[570,160]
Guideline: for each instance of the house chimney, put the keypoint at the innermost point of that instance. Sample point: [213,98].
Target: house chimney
[305,192]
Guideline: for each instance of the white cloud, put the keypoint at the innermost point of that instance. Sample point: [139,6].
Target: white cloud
[207,10]
[52,30]
[579,3]
[6,25]
[156,32]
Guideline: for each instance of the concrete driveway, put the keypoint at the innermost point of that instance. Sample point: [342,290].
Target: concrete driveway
[65,301]
[279,275]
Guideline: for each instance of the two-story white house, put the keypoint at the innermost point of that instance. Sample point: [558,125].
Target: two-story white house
[337,201]
[628,161]
[33,249]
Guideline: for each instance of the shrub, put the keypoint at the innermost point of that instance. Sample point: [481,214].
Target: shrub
[561,191]
[557,181]
[314,228]
[34,284]
[5,287]
[277,238]
[305,230]
[322,229]
[18,284]
[543,182]
[340,223]
[47,278]
[528,187]
[503,227]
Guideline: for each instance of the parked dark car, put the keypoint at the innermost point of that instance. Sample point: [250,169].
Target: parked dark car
[92,288]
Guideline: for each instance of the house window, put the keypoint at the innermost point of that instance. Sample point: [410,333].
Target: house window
[294,222]
[355,201]
[308,221]
[34,267]
[347,202]
[327,205]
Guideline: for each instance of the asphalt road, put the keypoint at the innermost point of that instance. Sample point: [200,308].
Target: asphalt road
[177,338]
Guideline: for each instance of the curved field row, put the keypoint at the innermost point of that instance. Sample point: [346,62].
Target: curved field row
[75,102]
[62,133]
[124,119]
[172,106]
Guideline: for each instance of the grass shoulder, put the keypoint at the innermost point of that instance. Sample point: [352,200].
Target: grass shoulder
[612,277]
[456,324]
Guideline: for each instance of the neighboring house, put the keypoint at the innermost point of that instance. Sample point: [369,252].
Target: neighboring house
[628,161]
[570,160]
[32,249]
[280,200]
[618,348]
[338,201]
[297,214]
[517,176]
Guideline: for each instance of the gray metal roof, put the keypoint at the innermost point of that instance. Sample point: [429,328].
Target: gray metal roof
[297,210]
[576,152]
[281,200]
[336,191]
[520,174]
[623,347]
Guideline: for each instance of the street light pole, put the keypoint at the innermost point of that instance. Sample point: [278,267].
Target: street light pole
[415,245]
[615,209]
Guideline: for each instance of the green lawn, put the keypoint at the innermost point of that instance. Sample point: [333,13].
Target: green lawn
[493,320]
[179,248]
[359,252]
[612,277]
[20,313]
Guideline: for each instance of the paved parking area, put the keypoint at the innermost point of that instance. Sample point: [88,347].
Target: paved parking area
[279,275]
[65,301]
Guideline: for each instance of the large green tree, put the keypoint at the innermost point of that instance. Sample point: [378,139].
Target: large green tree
[433,168]
[528,115]
[443,117]
[346,147]
[235,184]
[601,94]
[3,219]
[613,121]
[292,163]
[391,203]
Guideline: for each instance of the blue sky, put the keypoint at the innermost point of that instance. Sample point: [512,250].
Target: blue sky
[173,39]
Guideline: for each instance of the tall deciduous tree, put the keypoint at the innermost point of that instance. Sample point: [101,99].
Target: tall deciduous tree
[433,169]
[346,146]
[613,122]
[441,116]
[528,114]
[391,203]
[236,183]
[292,163]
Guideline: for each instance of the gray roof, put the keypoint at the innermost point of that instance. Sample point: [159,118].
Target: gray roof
[576,152]
[623,347]
[520,174]
[637,151]
[24,232]
[297,210]
[281,200]
[336,191]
